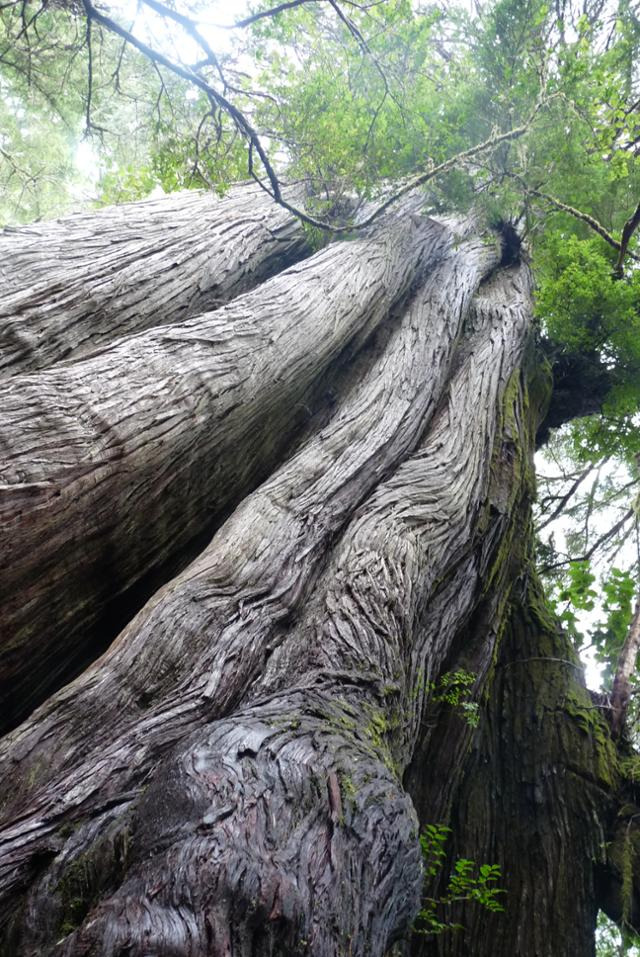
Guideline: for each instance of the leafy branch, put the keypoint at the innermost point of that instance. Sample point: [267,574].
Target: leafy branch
[621,246]
[467,882]
[273,185]
[455,689]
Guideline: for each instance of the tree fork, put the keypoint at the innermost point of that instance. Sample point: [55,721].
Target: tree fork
[418,508]
[259,566]
[150,441]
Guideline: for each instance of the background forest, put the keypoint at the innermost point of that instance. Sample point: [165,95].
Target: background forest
[525,111]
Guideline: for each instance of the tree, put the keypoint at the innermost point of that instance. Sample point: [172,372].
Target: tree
[316,501]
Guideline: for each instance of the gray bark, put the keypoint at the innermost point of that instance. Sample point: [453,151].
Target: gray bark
[264,558]
[71,286]
[300,695]
[246,769]
[114,463]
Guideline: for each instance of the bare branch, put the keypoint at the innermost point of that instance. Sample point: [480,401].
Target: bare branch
[274,11]
[236,115]
[162,90]
[602,540]
[565,498]
[191,27]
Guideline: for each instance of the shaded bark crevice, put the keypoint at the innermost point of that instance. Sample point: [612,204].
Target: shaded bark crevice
[536,788]
[151,440]
[247,767]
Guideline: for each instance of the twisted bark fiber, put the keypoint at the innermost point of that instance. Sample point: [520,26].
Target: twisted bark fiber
[352,644]
[113,464]
[73,285]
[245,770]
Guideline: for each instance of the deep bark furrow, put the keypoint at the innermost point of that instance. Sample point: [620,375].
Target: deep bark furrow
[522,805]
[71,286]
[208,405]
[379,635]
[201,642]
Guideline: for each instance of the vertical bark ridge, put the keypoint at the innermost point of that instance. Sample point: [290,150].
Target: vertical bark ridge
[540,802]
[73,285]
[114,463]
[193,652]
[353,646]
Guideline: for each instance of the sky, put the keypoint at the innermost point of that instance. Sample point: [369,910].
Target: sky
[174,42]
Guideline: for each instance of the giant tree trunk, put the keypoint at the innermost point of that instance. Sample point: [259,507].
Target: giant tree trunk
[142,447]
[246,768]
[71,286]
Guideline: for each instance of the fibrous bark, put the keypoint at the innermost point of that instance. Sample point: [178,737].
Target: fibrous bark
[73,285]
[231,601]
[145,444]
[364,653]
[246,769]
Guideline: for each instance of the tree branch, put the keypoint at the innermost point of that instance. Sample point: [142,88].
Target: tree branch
[458,160]
[627,232]
[602,540]
[272,12]
[629,228]
[626,664]
[571,210]
[274,189]
[236,115]
[565,498]
[191,27]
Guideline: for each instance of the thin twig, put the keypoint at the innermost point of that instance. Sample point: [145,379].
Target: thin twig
[89,75]
[596,545]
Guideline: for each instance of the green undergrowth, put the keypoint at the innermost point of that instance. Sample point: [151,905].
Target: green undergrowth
[466,882]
